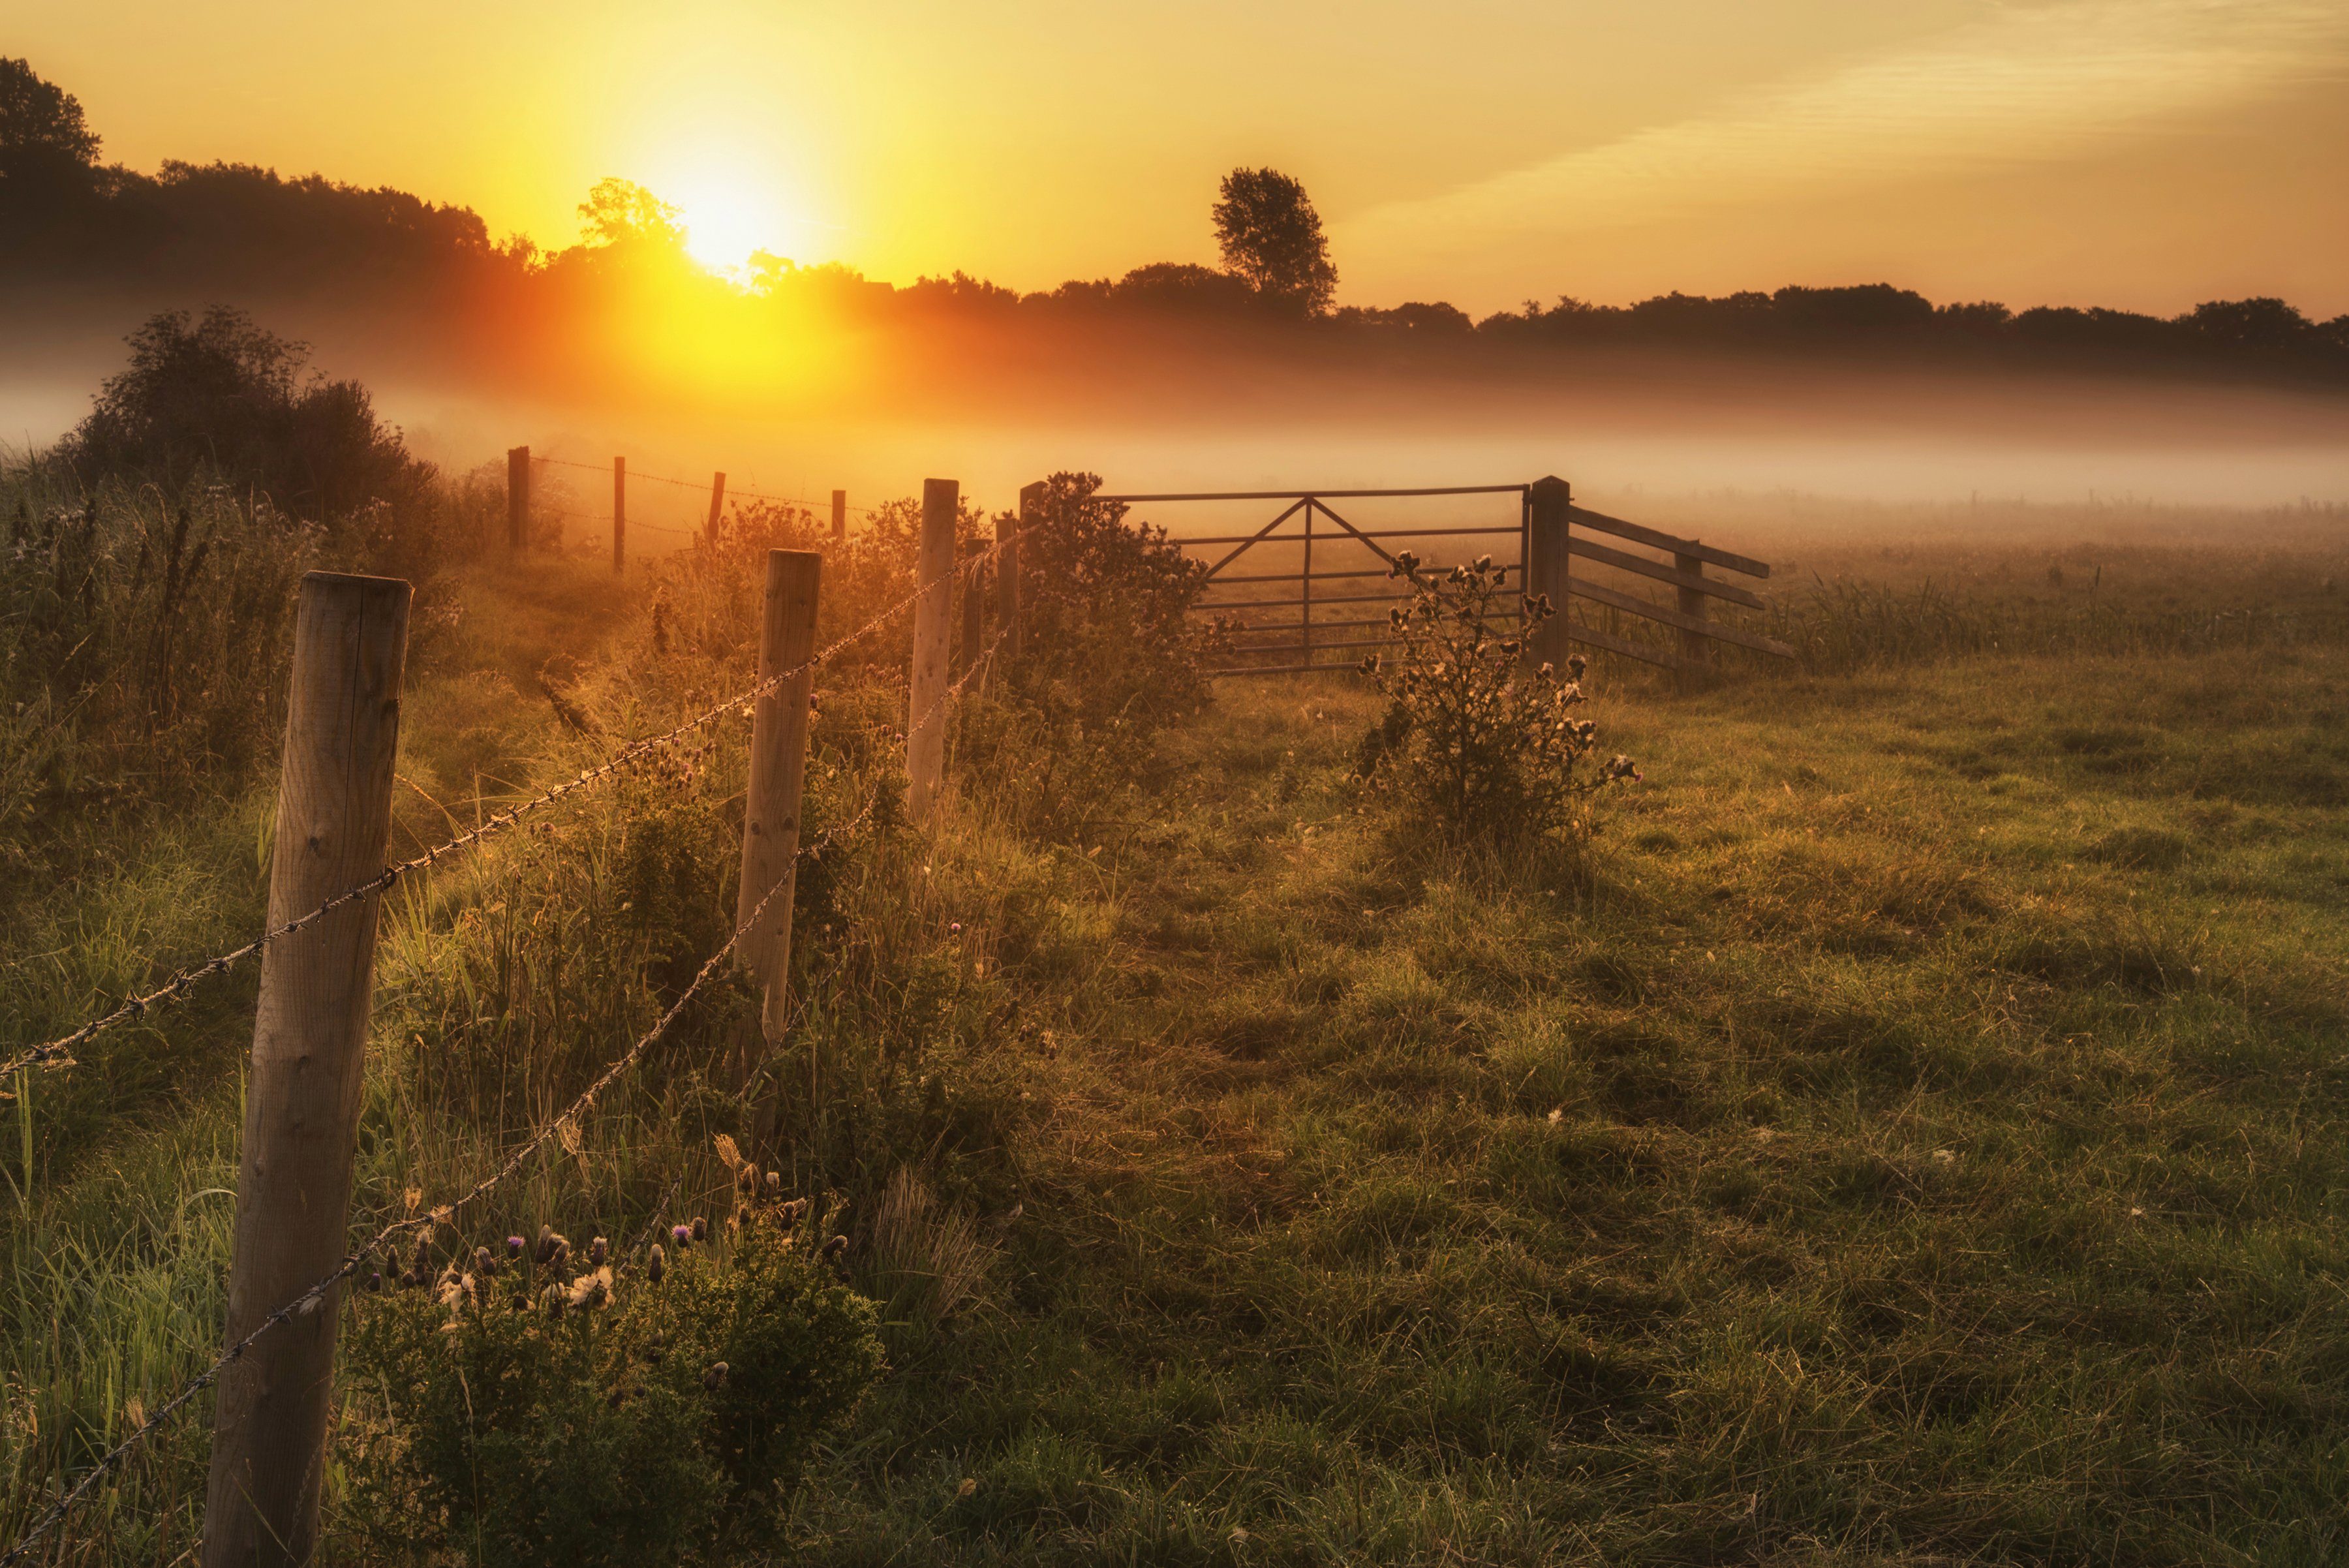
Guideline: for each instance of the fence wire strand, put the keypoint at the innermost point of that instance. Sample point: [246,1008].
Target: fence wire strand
[731,491]
[57,1053]
[356,1257]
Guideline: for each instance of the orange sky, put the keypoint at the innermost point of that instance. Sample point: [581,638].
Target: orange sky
[2145,153]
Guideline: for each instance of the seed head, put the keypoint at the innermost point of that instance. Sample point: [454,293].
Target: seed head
[656,1265]
[715,1378]
[700,1228]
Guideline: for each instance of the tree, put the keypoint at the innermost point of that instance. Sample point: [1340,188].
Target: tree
[223,398]
[1271,238]
[621,211]
[43,135]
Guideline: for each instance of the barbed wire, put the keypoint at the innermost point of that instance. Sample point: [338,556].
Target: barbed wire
[986,657]
[731,491]
[358,1256]
[55,1053]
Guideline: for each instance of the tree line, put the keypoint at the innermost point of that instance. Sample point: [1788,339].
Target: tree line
[70,217]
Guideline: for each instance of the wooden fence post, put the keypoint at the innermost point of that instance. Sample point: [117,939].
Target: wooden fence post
[518,499]
[1006,565]
[620,514]
[1694,644]
[771,815]
[925,717]
[717,505]
[1546,566]
[973,616]
[309,1061]
[839,515]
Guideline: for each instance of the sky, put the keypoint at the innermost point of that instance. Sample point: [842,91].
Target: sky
[2139,153]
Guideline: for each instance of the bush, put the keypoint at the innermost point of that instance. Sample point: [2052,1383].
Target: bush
[534,1408]
[1470,738]
[1105,628]
[224,397]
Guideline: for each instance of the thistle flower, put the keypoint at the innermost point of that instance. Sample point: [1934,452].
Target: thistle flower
[835,1249]
[513,1247]
[656,1265]
[774,1184]
[599,1251]
[485,1262]
[555,1300]
[715,1378]
[374,1282]
[790,1213]
[682,1235]
[700,1228]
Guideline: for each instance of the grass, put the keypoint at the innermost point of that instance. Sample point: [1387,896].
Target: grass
[1912,1132]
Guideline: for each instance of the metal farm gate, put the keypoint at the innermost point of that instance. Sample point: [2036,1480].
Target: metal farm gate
[1275,615]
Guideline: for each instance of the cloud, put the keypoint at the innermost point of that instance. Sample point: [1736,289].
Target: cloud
[2025,84]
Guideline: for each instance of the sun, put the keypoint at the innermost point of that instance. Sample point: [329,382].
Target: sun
[727,214]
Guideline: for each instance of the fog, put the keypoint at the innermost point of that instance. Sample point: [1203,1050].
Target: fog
[1174,409]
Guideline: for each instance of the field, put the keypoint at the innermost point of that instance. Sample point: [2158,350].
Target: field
[1914,1130]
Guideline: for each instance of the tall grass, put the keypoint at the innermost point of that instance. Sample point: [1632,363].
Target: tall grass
[1246,1185]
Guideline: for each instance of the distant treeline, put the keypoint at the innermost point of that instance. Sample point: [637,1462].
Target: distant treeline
[249,233]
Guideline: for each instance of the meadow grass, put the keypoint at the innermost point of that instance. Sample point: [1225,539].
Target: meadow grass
[1911,1132]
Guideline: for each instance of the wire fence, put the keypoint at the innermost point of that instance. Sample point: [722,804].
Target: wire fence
[58,1053]
[733,491]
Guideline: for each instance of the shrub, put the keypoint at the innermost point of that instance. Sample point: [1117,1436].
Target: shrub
[1106,632]
[225,397]
[538,1408]
[1469,737]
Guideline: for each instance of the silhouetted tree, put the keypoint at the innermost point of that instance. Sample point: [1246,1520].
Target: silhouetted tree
[223,397]
[621,211]
[1271,236]
[42,130]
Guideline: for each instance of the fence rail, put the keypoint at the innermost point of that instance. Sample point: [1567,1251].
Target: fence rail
[1547,542]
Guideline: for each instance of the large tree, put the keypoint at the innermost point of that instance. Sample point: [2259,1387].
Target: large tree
[43,135]
[1271,238]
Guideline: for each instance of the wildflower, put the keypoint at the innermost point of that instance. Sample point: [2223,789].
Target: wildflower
[715,1378]
[656,1265]
[700,1229]
[592,1289]
[374,1280]
[954,929]
[774,1183]
[513,1247]
[598,1252]
[683,1236]
[967,1487]
[485,1262]
[790,1213]
[554,1297]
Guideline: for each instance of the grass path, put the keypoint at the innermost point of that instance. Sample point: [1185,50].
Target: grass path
[1915,1135]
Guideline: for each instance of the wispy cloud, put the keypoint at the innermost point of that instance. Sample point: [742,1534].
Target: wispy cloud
[2027,83]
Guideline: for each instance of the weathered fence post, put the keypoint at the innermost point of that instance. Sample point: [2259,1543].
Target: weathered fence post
[1006,565]
[1546,566]
[716,505]
[925,718]
[518,498]
[620,514]
[309,1061]
[974,614]
[1694,649]
[839,515]
[771,815]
